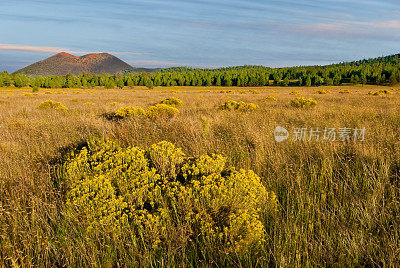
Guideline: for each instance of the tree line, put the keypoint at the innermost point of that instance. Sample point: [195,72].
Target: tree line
[378,71]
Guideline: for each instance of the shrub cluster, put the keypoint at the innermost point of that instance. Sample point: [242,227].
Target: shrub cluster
[302,102]
[153,192]
[49,104]
[156,111]
[238,106]
[175,102]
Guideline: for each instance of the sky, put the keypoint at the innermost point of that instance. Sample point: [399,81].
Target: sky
[200,33]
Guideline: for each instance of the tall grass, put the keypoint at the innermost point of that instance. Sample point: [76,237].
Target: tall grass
[338,201]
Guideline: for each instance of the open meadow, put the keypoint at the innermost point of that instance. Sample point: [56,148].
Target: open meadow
[337,202]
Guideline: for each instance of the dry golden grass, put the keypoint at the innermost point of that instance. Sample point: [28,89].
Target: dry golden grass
[338,202]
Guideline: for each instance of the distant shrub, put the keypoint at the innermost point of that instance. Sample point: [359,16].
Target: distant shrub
[294,93]
[238,106]
[303,102]
[344,91]
[271,98]
[172,102]
[380,92]
[254,91]
[155,191]
[322,91]
[35,89]
[161,110]
[49,104]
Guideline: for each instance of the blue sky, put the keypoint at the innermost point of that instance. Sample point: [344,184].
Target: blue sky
[201,33]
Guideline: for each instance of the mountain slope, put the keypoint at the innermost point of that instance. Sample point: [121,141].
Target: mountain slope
[64,63]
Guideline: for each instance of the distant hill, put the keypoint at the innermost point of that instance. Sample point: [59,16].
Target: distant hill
[64,63]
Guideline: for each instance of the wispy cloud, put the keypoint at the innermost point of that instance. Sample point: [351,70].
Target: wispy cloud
[156,63]
[353,29]
[126,53]
[55,49]
[390,24]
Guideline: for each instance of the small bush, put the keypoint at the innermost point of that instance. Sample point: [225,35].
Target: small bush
[49,104]
[175,102]
[154,192]
[344,91]
[303,102]
[35,89]
[294,93]
[238,106]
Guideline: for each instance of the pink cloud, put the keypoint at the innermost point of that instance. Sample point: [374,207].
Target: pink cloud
[39,49]
[54,49]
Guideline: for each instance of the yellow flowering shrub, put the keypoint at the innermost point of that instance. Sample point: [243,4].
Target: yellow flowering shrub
[154,191]
[302,102]
[156,111]
[49,104]
[175,102]
[294,93]
[161,110]
[238,106]
[130,111]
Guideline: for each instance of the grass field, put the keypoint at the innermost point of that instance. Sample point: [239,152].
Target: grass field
[338,202]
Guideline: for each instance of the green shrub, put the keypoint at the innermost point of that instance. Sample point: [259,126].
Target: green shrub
[154,192]
[294,93]
[238,106]
[175,102]
[49,104]
[35,89]
[302,102]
